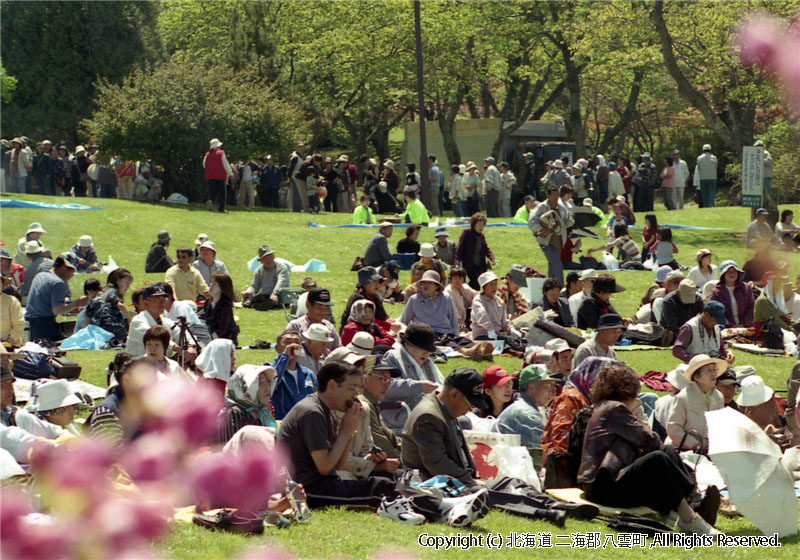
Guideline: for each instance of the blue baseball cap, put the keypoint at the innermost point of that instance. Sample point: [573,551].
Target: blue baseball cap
[491,160]
[717,312]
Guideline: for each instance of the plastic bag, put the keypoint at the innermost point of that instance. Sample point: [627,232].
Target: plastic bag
[650,263]
[90,338]
[515,462]
[609,261]
[110,267]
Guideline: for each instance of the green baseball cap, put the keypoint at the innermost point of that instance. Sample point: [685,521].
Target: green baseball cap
[534,372]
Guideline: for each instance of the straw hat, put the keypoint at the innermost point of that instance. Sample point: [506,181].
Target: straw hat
[701,360]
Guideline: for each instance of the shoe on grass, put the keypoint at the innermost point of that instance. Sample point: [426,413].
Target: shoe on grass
[697,526]
[400,510]
[468,509]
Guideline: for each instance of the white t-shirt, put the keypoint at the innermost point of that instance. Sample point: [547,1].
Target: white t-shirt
[699,278]
[734,307]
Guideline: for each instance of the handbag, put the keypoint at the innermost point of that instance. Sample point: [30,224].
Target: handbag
[561,470]
[64,368]
[771,336]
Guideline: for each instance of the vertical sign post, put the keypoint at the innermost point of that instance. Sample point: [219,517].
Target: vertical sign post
[752,176]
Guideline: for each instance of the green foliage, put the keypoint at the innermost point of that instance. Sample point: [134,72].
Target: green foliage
[7,85]
[58,50]
[169,114]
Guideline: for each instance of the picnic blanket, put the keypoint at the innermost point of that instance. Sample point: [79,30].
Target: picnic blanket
[756,349]
[576,496]
[22,389]
[14,203]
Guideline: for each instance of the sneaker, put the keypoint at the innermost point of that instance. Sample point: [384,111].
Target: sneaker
[697,526]
[209,205]
[400,510]
[473,507]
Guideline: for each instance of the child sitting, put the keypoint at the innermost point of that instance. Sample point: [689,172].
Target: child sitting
[616,219]
[631,257]
[664,248]
[91,289]
[649,235]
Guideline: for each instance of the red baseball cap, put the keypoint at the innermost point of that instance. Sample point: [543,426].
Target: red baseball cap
[495,375]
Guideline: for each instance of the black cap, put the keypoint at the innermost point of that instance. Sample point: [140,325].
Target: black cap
[606,284]
[320,295]
[421,336]
[154,290]
[470,383]
[393,267]
[610,321]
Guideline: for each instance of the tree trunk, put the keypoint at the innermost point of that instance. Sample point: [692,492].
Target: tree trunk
[695,98]
[447,128]
[627,114]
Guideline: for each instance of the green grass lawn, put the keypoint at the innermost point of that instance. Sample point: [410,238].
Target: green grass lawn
[125,230]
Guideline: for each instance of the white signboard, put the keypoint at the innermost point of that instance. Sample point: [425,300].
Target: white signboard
[752,176]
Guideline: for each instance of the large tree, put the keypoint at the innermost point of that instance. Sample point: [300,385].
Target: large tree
[696,48]
[58,50]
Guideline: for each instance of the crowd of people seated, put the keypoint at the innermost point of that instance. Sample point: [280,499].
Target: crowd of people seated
[361,408]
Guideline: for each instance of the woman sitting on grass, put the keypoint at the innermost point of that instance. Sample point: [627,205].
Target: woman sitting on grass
[156,341]
[622,457]
[577,395]
[218,309]
[247,401]
[362,315]
[107,310]
[704,271]
[735,295]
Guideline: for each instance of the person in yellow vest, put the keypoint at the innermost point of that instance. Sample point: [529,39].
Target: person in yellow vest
[415,213]
[363,213]
[521,217]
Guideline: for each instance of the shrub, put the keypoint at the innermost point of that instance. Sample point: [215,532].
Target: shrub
[169,114]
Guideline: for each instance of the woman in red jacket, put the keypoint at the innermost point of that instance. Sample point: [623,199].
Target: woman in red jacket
[362,314]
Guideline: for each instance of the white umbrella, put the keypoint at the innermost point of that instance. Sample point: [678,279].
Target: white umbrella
[759,484]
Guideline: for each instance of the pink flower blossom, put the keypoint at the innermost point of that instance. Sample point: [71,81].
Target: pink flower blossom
[189,410]
[243,481]
[765,41]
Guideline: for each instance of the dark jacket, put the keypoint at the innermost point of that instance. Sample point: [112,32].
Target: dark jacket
[220,319]
[590,311]
[465,251]
[562,307]
[676,313]
[614,440]
[433,443]
[157,259]
[745,303]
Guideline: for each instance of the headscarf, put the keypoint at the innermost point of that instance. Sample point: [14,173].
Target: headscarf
[242,390]
[357,310]
[774,297]
[601,160]
[215,360]
[584,163]
[584,375]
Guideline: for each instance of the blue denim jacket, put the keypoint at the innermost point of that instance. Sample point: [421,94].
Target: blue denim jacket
[523,417]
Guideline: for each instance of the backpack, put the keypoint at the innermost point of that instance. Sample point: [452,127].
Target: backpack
[771,336]
[34,365]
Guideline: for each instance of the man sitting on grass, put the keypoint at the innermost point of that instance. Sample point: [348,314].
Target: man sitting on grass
[315,448]
[268,281]
[293,382]
[318,306]
[186,281]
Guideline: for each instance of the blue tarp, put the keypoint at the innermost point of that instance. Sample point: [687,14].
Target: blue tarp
[440,224]
[90,338]
[502,224]
[14,203]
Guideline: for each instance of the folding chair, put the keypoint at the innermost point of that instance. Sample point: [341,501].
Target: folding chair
[288,299]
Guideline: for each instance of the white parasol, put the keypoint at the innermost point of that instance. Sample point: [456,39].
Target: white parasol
[759,484]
